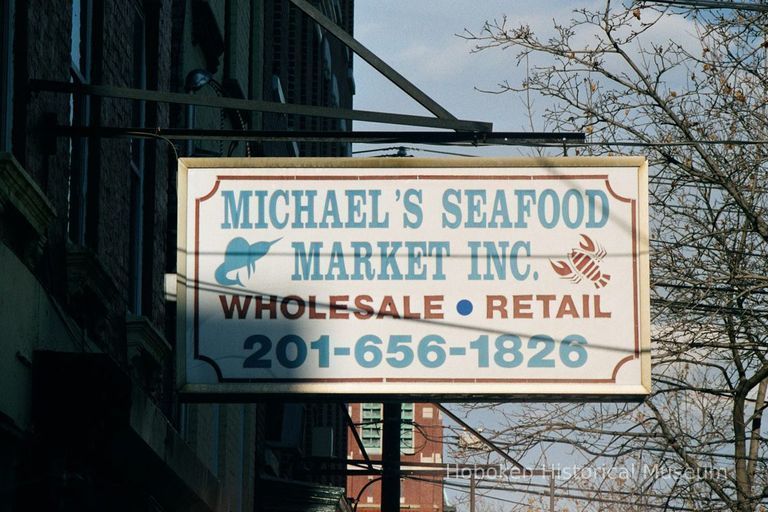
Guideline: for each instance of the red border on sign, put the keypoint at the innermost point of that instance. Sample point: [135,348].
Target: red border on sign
[426,177]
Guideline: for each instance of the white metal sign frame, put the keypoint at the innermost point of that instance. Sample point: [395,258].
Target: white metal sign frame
[441,279]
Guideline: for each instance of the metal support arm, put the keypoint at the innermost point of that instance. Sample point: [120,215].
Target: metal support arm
[108,91]
[368,137]
[372,59]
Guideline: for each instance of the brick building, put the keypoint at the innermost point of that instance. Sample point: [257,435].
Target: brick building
[89,417]
[421,442]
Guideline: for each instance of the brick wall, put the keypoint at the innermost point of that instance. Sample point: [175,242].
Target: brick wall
[94,303]
[35,57]
[46,55]
[427,448]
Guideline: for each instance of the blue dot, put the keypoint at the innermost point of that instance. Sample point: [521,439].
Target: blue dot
[464,307]
[535,276]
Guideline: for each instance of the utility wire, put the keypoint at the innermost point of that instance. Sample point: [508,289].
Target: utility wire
[712,4]
[409,148]
[629,143]
[515,488]
[509,488]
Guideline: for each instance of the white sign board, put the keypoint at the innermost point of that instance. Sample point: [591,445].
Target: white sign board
[438,278]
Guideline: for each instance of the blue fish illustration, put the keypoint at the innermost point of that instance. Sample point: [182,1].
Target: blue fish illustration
[240,254]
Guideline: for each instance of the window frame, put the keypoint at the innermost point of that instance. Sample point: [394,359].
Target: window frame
[371,424]
[138,165]
[407,416]
[80,67]
[8,13]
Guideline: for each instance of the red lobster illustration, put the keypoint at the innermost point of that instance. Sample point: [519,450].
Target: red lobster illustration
[583,263]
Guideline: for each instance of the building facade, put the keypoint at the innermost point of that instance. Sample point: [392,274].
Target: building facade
[305,65]
[421,446]
[89,417]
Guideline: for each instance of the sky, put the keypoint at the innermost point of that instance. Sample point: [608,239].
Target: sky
[418,38]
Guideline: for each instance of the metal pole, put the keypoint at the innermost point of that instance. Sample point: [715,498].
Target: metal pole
[353,429]
[390,458]
[371,137]
[247,105]
[485,441]
[552,492]
[472,492]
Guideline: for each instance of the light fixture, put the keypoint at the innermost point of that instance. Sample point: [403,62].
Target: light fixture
[199,78]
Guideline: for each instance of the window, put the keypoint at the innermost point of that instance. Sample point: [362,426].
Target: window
[138,163]
[79,115]
[406,428]
[280,121]
[6,74]
[371,427]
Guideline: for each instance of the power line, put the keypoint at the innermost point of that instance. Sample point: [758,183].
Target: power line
[409,148]
[713,4]
[628,143]
[594,499]
[515,487]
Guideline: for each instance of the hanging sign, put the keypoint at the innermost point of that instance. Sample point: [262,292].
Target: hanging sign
[508,278]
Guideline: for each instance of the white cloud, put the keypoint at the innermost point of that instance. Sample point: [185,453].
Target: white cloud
[418,39]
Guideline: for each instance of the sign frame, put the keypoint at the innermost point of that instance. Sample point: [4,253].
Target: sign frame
[521,392]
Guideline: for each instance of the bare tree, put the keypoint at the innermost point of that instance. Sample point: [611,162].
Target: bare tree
[695,103]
